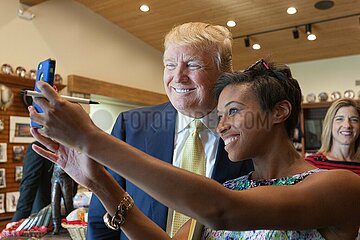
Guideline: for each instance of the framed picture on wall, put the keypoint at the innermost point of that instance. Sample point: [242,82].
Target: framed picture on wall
[18,173]
[2,202]
[18,153]
[2,178]
[11,201]
[20,130]
[3,152]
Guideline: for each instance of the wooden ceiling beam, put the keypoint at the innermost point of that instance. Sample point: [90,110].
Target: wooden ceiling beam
[84,85]
[32,2]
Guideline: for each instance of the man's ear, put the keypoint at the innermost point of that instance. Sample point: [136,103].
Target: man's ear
[281,111]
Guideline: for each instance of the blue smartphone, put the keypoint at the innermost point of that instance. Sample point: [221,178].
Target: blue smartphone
[45,72]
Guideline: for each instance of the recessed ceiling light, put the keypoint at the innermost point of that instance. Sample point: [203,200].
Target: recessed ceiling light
[231,23]
[144,8]
[324,5]
[291,10]
[256,46]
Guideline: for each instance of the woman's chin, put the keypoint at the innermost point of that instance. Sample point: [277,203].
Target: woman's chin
[236,158]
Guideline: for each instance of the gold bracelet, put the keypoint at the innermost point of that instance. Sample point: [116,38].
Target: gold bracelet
[118,219]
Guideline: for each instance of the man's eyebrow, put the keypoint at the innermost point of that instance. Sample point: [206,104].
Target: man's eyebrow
[168,59]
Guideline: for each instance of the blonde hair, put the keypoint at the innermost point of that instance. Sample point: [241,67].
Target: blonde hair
[205,37]
[326,136]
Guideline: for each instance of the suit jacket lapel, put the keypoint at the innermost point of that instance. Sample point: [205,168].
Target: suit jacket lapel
[160,143]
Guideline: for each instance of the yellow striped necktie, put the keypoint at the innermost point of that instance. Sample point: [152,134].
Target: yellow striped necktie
[193,159]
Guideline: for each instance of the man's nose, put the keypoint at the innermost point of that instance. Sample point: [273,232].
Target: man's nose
[181,74]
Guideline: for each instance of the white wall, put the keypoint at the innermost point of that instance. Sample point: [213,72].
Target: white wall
[82,42]
[105,114]
[328,75]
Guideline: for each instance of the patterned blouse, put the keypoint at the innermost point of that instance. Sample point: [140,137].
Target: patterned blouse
[243,183]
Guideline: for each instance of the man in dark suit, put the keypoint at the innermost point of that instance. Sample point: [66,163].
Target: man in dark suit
[195,56]
[35,186]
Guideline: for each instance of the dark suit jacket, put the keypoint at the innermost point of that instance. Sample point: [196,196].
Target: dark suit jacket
[35,186]
[152,130]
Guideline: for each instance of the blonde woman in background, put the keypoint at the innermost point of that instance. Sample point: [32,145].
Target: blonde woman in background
[340,140]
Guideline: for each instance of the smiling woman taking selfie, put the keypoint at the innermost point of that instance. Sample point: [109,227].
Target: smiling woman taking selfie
[285,197]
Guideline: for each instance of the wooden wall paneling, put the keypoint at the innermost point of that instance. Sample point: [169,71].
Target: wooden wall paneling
[18,108]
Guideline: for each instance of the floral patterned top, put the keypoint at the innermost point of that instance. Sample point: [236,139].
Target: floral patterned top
[243,183]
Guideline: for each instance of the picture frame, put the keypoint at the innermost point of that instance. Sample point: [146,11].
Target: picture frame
[11,201]
[18,173]
[3,152]
[2,178]
[2,203]
[20,130]
[18,153]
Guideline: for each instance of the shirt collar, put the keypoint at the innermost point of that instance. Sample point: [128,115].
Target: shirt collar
[210,121]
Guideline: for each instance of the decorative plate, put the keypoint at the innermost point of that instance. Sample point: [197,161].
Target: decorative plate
[311,97]
[20,71]
[57,79]
[335,95]
[7,69]
[349,94]
[32,74]
[323,96]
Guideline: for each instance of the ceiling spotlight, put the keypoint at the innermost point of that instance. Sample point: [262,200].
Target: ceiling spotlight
[310,35]
[295,33]
[247,41]
[231,23]
[144,8]
[256,46]
[291,10]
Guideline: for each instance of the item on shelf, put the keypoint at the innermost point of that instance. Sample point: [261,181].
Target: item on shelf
[57,79]
[311,97]
[6,97]
[323,97]
[20,71]
[32,74]
[76,223]
[335,95]
[7,69]
[82,199]
[2,126]
[349,94]
[36,225]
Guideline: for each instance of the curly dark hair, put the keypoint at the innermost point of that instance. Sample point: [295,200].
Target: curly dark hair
[271,84]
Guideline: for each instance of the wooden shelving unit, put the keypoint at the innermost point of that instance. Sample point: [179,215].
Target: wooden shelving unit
[18,108]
